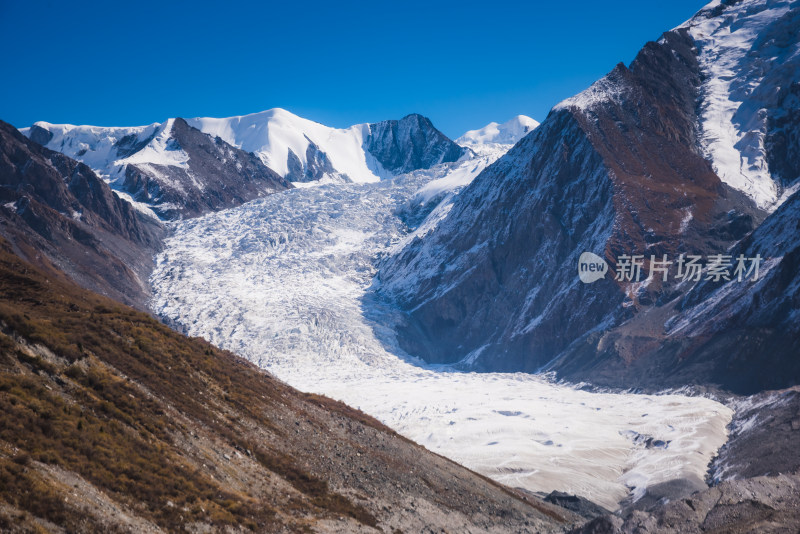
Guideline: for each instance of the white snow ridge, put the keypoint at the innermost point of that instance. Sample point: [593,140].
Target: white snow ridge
[273,133]
[285,281]
[507,133]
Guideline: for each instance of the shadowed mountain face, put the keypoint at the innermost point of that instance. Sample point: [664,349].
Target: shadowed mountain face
[58,214]
[613,171]
[743,336]
[621,168]
[114,422]
[409,144]
[783,139]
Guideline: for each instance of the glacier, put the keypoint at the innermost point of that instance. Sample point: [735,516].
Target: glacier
[288,281]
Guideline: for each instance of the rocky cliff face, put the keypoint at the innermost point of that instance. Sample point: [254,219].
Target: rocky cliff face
[58,213]
[740,335]
[409,144]
[615,170]
[760,504]
[626,167]
[317,165]
[469,294]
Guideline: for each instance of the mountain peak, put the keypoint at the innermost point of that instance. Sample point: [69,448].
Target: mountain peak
[411,143]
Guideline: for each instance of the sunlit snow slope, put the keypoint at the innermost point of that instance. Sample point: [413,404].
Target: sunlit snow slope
[285,281]
[272,134]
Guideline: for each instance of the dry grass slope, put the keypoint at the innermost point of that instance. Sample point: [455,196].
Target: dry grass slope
[80,407]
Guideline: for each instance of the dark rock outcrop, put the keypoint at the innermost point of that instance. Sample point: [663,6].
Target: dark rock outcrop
[317,165]
[763,438]
[579,505]
[40,135]
[783,137]
[756,478]
[761,504]
[742,336]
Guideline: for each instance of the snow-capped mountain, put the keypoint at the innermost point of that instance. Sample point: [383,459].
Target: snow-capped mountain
[639,163]
[302,150]
[507,133]
[296,148]
[204,174]
[172,170]
[410,144]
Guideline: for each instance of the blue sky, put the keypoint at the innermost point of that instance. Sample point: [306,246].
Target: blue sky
[463,64]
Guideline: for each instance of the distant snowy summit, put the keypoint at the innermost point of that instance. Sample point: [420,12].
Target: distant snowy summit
[507,133]
[302,150]
[183,168]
